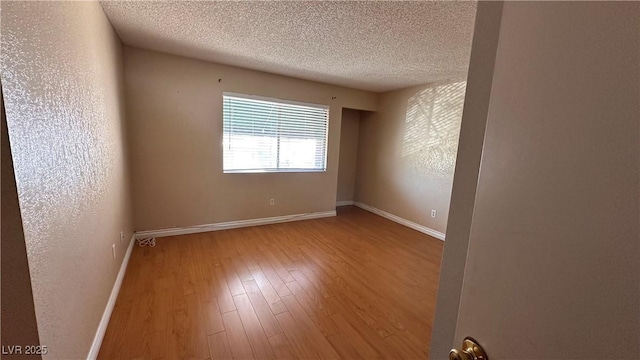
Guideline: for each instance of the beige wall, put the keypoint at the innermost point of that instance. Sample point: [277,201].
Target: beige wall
[62,79]
[174,108]
[407,151]
[348,154]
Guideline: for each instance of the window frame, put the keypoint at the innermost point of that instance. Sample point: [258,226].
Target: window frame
[325,107]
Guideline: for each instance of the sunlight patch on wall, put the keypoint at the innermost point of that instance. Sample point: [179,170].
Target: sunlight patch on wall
[432,128]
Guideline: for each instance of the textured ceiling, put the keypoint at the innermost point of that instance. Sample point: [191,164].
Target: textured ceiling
[376,46]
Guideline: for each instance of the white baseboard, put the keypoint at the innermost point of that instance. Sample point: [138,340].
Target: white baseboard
[399,220]
[344,202]
[232,224]
[104,322]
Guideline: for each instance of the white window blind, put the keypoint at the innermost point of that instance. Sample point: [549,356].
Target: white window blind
[261,134]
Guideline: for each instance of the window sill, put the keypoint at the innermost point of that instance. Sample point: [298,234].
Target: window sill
[265,171]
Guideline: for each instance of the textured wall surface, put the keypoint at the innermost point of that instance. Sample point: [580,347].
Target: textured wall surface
[348,154]
[62,78]
[369,45]
[407,152]
[174,112]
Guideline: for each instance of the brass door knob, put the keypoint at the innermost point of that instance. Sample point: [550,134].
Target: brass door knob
[471,350]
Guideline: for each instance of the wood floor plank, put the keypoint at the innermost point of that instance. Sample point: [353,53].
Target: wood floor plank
[232,279]
[306,284]
[238,340]
[267,320]
[187,339]
[114,337]
[195,335]
[281,347]
[354,286]
[223,295]
[241,268]
[270,294]
[299,343]
[253,328]
[143,324]
[316,312]
[371,335]
[284,259]
[154,346]
[407,349]
[351,342]
[162,302]
[249,256]
[276,263]
[189,273]
[219,346]
[307,326]
[274,278]
[212,317]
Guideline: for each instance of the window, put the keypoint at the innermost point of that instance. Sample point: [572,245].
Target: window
[263,135]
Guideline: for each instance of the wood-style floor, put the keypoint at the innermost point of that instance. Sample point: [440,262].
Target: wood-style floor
[352,286]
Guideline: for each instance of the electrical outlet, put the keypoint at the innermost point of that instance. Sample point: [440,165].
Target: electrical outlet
[272,202]
[433,213]
[113,250]
[121,237]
